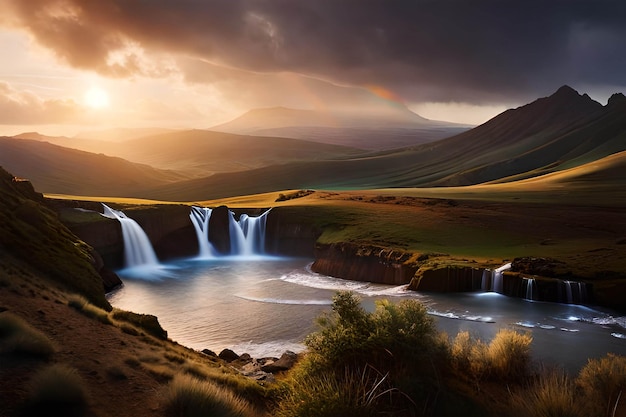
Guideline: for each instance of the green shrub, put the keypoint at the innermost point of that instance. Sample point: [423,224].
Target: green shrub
[397,344]
[187,396]
[552,395]
[147,322]
[57,390]
[19,337]
[603,382]
[392,333]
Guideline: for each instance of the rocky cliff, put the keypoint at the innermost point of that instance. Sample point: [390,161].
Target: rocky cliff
[365,263]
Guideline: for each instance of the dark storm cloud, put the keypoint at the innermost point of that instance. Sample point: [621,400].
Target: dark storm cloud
[476,51]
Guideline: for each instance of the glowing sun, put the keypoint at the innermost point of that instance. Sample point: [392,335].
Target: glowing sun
[96,98]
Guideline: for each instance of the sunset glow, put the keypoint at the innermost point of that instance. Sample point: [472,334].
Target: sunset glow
[224,61]
[96,98]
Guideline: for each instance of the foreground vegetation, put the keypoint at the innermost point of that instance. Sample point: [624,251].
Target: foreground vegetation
[393,362]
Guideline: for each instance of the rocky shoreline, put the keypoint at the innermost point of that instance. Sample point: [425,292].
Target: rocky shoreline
[259,369]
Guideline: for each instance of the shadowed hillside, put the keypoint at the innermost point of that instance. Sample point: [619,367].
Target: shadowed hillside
[204,152]
[55,169]
[64,351]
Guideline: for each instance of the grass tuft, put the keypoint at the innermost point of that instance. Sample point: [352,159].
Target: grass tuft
[509,354]
[19,337]
[188,396]
[552,395]
[57,390]
[603,382]
[81,304]
[147,322]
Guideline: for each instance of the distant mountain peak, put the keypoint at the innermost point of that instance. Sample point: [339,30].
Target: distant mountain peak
[616,99]
[566,90]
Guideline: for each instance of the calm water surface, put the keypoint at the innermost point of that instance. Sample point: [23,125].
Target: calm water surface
[264,306]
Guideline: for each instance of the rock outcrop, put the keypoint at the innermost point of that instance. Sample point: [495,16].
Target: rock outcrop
[219,229]
[364,263]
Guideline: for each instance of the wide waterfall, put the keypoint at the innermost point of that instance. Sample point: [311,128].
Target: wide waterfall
[138,250]
[200,217]
[247,235]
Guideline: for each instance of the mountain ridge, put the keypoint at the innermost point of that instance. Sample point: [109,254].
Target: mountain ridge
[561,131]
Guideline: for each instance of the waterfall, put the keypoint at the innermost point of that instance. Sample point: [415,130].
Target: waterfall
[498,278]
[200,217]
[247,236]
[254,232]
[137,247]
[575,292]
[530,288]
[237,236]
[568,292]
[486,280]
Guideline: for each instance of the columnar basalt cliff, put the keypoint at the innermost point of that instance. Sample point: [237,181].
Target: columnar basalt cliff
[364,263]
[447,279]
[172,234]
[287,236]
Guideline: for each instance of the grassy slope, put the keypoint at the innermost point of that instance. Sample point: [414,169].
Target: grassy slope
[42,268]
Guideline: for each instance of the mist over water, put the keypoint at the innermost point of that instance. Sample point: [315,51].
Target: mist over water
[265,305]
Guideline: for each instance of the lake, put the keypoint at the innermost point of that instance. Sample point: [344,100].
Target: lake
[266,305]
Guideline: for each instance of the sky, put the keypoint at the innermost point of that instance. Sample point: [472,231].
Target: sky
[71,65]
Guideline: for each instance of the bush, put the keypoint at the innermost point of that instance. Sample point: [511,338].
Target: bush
[19,337]
[57,390]
[603,382]
[552,395]
[397,345]
[187,396]
[505,357]
[392,333]
[509,354]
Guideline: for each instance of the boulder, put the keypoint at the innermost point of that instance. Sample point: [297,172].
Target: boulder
[209,352]
[228,355]
[286,362]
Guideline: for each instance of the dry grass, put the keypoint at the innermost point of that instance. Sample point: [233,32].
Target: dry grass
[552,395]
[81,304]
[603,382]
[19,337]
[188,396]
[57,390]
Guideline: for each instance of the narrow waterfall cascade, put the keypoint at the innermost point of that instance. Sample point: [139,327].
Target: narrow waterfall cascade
[530,288]
[200,217]
[237,237]
[572,292]
[493,281]
[138,250]
[254,233]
